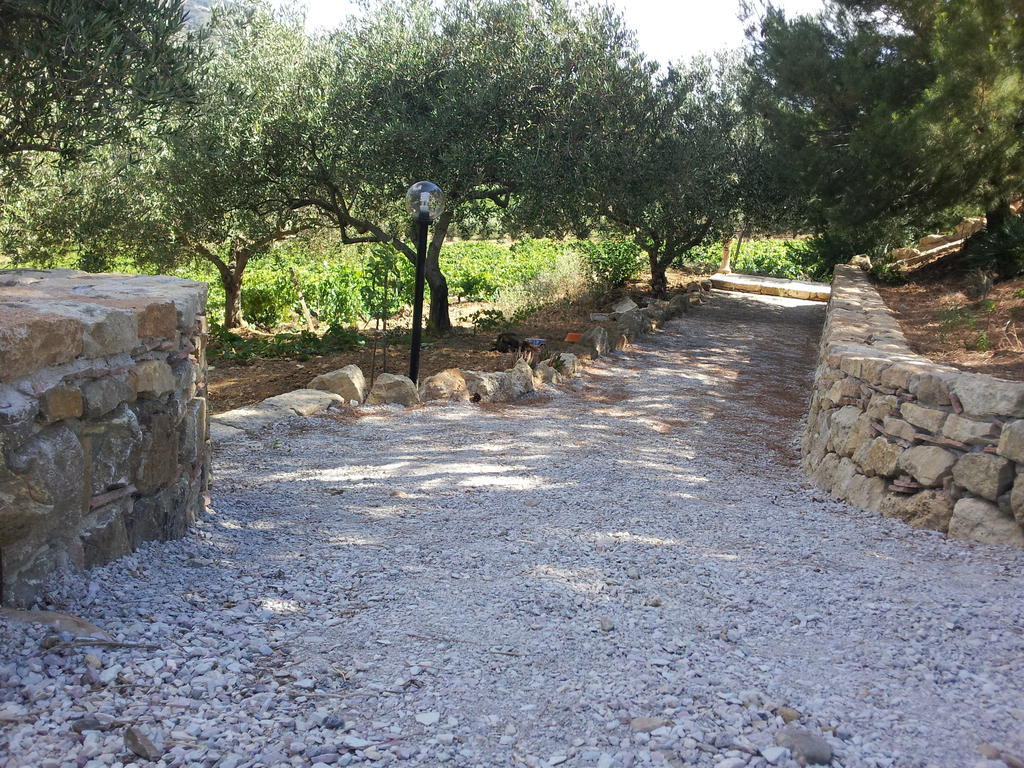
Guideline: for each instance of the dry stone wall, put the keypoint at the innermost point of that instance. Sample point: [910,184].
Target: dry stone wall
[103,437]
[895,432]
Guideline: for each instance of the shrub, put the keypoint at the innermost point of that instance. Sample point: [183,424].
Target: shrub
[1000,251]
[611,263]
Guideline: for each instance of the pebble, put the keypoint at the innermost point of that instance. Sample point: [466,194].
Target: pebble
[805,745]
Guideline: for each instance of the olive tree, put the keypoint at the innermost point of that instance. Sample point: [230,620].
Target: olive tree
[666,166]
[203,189]
[468,94]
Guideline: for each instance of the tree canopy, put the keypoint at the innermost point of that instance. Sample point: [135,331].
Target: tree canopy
[891,112]
[77,74]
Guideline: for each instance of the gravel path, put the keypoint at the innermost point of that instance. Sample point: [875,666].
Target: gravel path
[630,572]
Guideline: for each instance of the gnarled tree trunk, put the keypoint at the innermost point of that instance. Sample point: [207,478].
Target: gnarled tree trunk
[439,320]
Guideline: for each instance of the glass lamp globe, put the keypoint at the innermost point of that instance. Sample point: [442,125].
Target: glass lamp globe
[425,198]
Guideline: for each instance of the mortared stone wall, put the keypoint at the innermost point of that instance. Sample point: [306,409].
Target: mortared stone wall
[103,422]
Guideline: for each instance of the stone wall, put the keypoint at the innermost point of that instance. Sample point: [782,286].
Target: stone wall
[892,431]
[103,439]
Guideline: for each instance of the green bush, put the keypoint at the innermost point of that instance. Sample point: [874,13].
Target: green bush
[796,259]
[1000,251]
[612,262]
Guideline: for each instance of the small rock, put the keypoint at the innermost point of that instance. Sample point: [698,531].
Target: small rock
[607,625]
[731,762]
[138,743]
[428,718]
[87,723]
[445,738]
[647,724]
[354,742]
[774,755]
[805,745]
[788,714]
[333,722]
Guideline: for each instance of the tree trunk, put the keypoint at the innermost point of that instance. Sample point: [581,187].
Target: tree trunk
[995,218]
[439,321]
[659,280]
[232,300]
[231,278]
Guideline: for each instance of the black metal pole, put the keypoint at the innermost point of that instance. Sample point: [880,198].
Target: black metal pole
[422,223]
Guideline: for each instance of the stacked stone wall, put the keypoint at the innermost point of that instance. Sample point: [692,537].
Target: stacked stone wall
[103,423]
[895,432]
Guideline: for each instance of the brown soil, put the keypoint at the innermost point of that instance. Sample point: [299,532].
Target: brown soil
[947,317]
[233,384]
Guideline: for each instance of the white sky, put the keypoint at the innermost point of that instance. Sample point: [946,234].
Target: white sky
[667,30]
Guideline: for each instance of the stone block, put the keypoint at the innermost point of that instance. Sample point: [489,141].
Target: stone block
[389,388]
[927,464]
[898,428]
[153,377]
[113,445]
[841,424]
[157,320]
[679,305]
[929,419]
[103,534]
[31,339]
[305,402]
[20,512]
[823,473]
[484,386]
[633,324]
[101,396]
[518,381]
[16,407]
[848,441]
[843,388]
[545,374]
[865,492]
[192,432]
[871,369]
[153,518]
[969,431]
[53,463]
[927,510]
[448,384]
[880,456]
[106,331]
[567,364]
[158,465]
[594,342]
[930,388]
[979,520]
[59,403]
[250,419]
[880,406]
[983,474]
[986,396]
[1011,441]
[186,375]
[348,382]
[1017,499]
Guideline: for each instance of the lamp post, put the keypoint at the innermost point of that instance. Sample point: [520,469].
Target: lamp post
[425,202]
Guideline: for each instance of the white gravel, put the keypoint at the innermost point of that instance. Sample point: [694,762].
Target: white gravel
[631,572]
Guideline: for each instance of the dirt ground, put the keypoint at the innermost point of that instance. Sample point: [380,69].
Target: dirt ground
[233,384]
[949,318]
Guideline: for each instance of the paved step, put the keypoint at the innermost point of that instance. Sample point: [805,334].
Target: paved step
[773,286]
